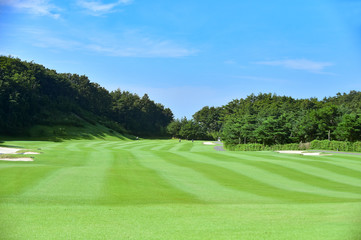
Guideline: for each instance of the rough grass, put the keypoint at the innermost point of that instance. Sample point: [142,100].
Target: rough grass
[163,189]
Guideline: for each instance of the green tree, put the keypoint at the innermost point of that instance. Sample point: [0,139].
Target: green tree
[349,128]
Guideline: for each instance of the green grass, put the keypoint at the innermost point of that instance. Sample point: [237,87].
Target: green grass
[162,189]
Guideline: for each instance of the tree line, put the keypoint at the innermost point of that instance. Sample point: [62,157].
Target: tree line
[31,94]
[269,119]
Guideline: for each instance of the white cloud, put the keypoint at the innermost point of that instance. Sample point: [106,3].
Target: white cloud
[99,8]
[262,79]
[299,64]
[36,7]
[230,62]
[133,43]
[129,44]
[47,39]
[153,49]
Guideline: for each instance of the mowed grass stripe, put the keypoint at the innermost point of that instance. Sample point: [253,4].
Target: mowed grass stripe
[231,179]
[297,163]
[86,144]
[108,145]
[16,179]
[146,145]
[103,145]
[267,182]
[80,184]
[338,173]
[344,157]
[169,146]
[195,182]
[178,146]
[187,146]
[73,146]
[304,164]
[128,182]
[163,145]
[140,145]
[292,173]
[338,169]
[62,157]
[341,161]
[189,191]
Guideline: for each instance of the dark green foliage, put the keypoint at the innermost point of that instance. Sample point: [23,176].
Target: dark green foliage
[262,147]
[266,120]
[187,129]
[209,121]
[336,145]
[142,116]
[270,119]
[206,124]
[174,128]
[349,127]
[31,94]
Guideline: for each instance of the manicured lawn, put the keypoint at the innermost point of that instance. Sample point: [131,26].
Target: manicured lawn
[163,189]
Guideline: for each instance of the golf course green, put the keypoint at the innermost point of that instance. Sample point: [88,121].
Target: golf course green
[166,189]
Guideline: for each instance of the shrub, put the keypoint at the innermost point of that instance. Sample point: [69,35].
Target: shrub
[336,145]
[316,144]
[261,147]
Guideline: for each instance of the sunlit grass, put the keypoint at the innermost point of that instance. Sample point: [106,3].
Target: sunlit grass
[163,189]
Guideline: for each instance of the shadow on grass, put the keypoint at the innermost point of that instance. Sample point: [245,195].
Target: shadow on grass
[60,133]
[63,133]
[9,146]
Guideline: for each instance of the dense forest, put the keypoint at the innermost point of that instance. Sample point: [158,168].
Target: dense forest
[269,119]
[31,94]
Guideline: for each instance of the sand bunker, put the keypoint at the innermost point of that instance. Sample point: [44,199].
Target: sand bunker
[17,159]
[5,150]
[209,143]
[291,152]
[301,152]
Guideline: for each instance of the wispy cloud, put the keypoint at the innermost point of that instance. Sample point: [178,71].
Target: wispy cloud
[143,49]
[134,43]
[129,44]
[299,64]
[233,63]
[46,39]
[35,7]
[230,62]
[100,8]
[262,79]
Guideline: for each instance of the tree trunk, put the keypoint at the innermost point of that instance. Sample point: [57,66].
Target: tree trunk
[329,135]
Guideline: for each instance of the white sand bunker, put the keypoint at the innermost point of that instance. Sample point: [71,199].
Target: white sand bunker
[5,150]
[301,152]
[209,143]
[291,152]
[17,159]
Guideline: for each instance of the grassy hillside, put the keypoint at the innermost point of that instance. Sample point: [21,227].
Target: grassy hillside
[33,95]
[163,189]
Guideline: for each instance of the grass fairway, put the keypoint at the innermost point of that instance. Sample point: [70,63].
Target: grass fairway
[163,189]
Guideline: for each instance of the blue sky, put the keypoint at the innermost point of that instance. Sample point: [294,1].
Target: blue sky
[189,54]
